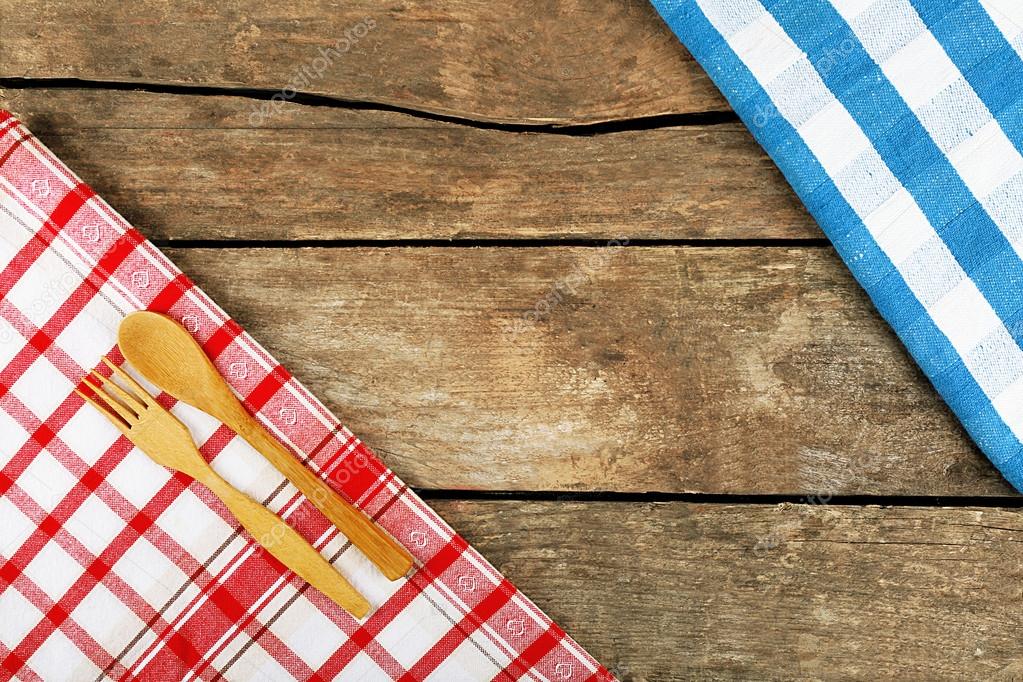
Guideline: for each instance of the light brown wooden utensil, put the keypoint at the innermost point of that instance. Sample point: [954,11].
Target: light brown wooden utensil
[166,354]
[163,437]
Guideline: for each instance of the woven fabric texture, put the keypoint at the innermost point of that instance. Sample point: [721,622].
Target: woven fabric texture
[900,125]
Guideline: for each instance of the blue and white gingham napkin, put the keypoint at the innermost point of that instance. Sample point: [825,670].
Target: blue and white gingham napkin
[900,125]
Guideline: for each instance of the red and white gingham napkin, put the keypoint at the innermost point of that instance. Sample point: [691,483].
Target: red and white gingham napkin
[112,567]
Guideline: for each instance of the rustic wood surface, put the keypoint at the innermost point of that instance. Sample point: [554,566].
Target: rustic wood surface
[767,592]
[324,173]
[699,369]
[421,235]
[538,61]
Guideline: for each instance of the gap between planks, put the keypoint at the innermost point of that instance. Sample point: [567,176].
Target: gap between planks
[595,496]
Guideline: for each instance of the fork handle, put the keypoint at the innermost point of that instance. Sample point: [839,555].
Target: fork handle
[287,546]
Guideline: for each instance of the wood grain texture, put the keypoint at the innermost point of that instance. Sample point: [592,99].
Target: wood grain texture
[536,61]
[738,370]
[672,592]
[193,168]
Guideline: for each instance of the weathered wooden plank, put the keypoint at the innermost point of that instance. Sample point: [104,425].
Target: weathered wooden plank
[720,370]
[680,592]
[192,167]
[541,61]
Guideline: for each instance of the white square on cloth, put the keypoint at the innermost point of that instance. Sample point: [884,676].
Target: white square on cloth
[15,435]
[257,664]
[850,9]
[194,525]
[920,70]
[88,434]
[16,528]
[20,225]
[91,334]
[19,617]
[899,226]
[59,659]
[986,160]
[834,137]
[42,388]
[95,525]
[46,481]
[766,48]
[966,316]
[410,638]
[149,572]
[465,665]
[107,619]
[138,478]
[44,287]
[313,636]
[54,570]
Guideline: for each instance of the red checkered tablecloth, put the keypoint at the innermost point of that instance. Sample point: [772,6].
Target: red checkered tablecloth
[112,567]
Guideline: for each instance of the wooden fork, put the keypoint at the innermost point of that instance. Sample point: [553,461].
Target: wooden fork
[163,437]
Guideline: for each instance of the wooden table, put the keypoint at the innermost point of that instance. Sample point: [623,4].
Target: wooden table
[703,453]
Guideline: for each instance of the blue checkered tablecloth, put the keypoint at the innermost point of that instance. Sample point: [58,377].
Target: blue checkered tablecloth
[900,125]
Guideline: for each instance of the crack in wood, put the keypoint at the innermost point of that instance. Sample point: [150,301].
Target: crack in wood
[641,123]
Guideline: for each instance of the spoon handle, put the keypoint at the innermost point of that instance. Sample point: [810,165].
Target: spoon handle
[390,557]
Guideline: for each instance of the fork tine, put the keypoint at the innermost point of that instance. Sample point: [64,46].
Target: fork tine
[140,393]
[114,419]
[112,405]
[127,399]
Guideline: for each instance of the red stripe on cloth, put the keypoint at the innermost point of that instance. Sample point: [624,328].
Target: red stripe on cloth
[170,294]
[128,536]
[69,205]
[226,602]
[464,629]
[532,654]
[258,631]
[266,388]
[10,150]
[140,524]
[226,609]
[256,588]
[374,625]
[45,435]
[52,526]
[183,649]
[41,240]
[251,578]
[221,339]
[13,663]
[116,254]
[360,476]
[9,123]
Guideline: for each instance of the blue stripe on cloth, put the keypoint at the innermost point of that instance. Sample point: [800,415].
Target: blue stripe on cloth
[984,57]
[909,151]
[904,144]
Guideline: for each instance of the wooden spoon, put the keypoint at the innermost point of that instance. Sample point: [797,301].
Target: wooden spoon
[165,353]
[160,434]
